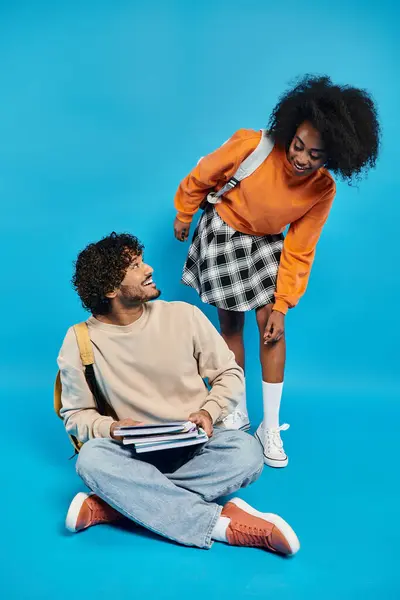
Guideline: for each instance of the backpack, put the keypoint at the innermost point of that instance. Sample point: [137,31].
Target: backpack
[87,357]
[245,169]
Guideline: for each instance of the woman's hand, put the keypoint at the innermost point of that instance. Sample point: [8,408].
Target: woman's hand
[275,328]
[181,230]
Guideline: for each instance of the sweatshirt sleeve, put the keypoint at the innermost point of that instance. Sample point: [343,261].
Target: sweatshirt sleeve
[299,252]
[81,419]
[213,170]
[216,363]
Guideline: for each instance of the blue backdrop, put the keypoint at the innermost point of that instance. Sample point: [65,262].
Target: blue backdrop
[104,108]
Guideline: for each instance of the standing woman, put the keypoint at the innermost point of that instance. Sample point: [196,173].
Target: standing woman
[239,259]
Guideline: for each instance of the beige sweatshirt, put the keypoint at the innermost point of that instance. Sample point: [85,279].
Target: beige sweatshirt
[150,371]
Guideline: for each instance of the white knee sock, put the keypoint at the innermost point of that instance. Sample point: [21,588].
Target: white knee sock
[219,531]
[272,394]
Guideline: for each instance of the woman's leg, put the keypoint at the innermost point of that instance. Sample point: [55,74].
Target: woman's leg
[232,325]
[272,357]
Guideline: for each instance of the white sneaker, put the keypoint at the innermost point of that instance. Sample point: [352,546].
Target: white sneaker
[270,440]
[236,420]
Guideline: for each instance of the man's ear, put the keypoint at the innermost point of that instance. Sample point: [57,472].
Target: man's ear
[111,294]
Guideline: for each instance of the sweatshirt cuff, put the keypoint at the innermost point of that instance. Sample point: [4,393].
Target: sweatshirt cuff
[102,426]
[184,218]
[212,407]
[281,306]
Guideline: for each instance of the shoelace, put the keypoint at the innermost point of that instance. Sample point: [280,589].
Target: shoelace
[101,512]
[252,536]
[273,436]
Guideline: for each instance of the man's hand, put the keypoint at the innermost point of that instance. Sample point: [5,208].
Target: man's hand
[203,419]
[123,423]
[181,230]
[275,327]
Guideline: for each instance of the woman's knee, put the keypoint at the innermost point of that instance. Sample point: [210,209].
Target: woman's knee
[262,316]
[231,322]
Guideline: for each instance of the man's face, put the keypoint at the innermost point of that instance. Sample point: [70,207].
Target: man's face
[137,286]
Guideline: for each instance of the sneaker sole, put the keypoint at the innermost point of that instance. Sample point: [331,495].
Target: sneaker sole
[73,511]
[276,520]
[277,464]
[272,462]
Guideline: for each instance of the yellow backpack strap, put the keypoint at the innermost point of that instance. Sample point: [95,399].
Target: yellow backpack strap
[57,394]
[84,344]
[87,358]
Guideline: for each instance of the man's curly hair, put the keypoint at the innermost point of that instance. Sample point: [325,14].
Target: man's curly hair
[346,118]
[100,268]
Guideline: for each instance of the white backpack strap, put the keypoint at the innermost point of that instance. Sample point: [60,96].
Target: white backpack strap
[246,168]
[256,158]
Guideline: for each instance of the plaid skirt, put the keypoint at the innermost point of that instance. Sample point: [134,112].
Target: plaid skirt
[229,269]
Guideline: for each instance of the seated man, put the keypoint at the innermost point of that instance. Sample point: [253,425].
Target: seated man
[151,360]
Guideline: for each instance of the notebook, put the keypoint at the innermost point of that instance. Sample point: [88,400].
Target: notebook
[141,430]
[202,438]
[150,438]
[159,438]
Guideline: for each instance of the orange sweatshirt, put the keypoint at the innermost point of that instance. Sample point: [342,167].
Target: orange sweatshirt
[265,203]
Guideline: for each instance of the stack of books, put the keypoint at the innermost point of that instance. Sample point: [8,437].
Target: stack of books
[149,438]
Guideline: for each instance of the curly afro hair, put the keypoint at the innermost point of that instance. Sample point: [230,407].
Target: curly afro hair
[100,268]
[346,118]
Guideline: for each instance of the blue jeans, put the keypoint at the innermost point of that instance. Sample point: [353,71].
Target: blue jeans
[171,493]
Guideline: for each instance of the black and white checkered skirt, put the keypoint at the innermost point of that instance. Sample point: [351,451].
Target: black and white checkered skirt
[229,269]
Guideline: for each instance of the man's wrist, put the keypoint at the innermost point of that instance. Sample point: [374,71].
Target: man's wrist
[203,410]
[113,427]
[213,409]
[102,427]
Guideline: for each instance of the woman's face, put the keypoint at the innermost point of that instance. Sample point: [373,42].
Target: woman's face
[307,152]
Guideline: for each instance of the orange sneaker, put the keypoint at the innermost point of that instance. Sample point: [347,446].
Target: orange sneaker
[88,509]
[248,527]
